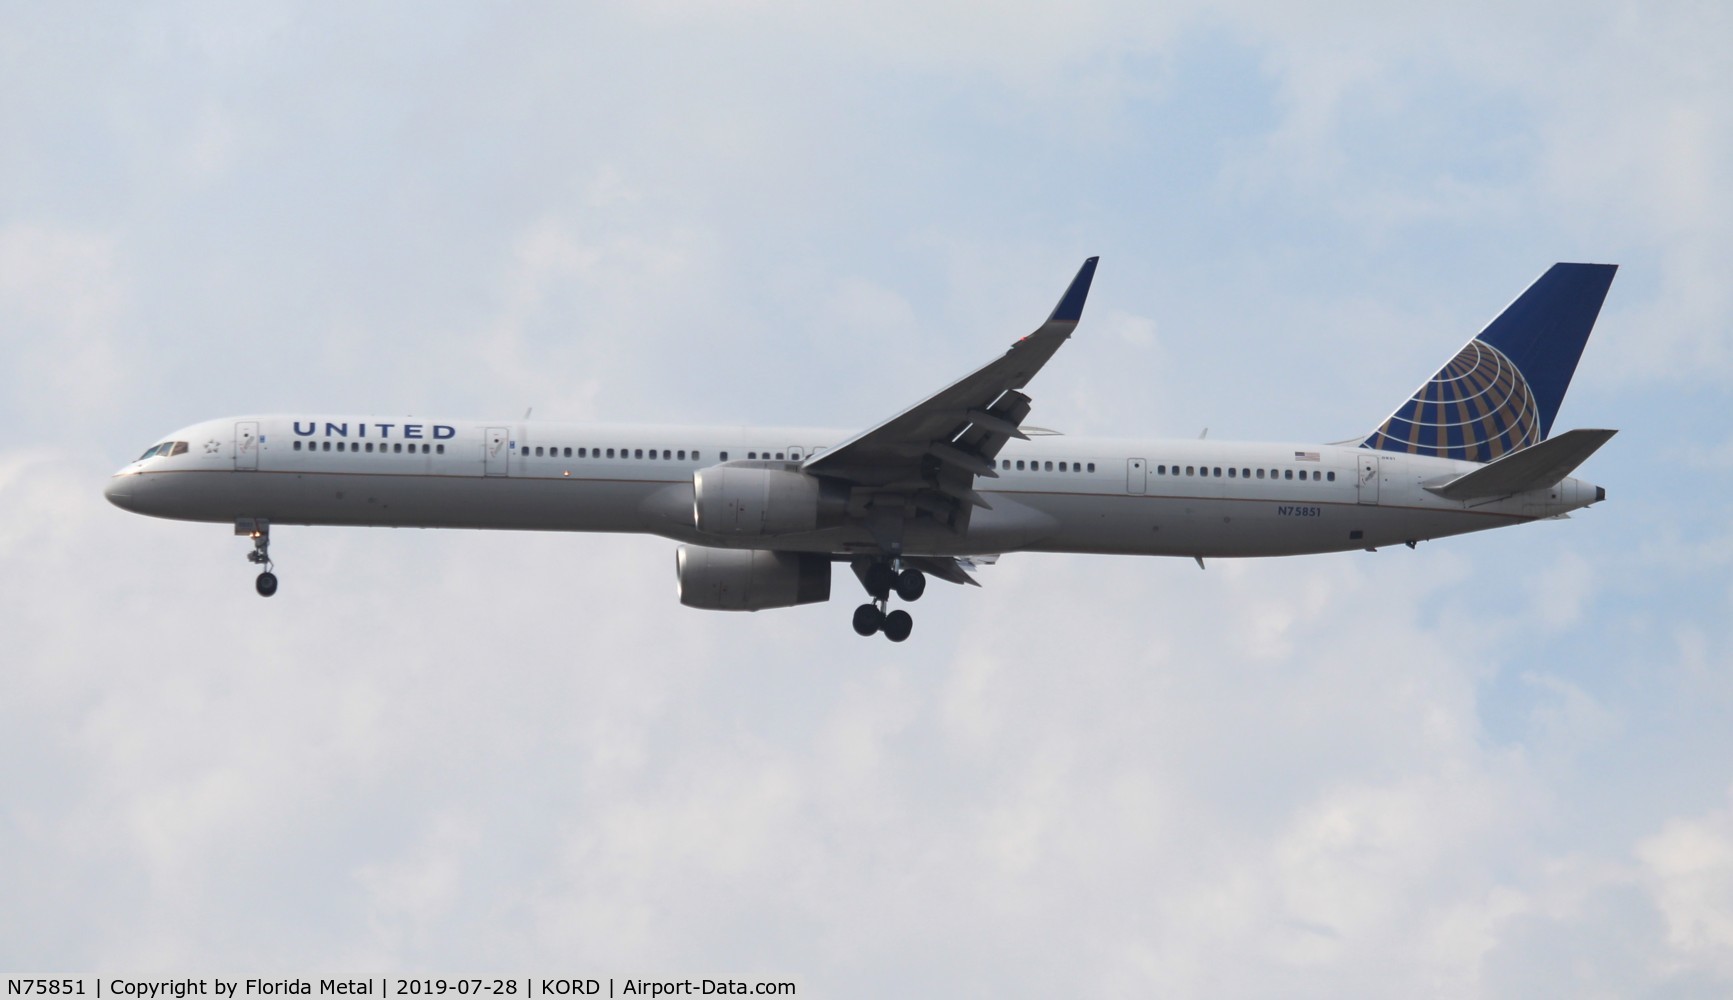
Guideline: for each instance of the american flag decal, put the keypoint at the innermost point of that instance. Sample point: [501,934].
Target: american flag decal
[1306,456]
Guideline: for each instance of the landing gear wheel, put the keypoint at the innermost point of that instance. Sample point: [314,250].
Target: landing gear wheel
[266,584]
[868,619]
[898,625]
[911,584]
[879,581]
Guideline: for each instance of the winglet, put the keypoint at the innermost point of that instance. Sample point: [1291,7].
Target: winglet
[1070,307]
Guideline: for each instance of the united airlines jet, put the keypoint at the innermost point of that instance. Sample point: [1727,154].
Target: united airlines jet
[954,481]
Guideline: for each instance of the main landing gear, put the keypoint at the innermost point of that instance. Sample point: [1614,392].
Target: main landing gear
[881,578]
[259,531]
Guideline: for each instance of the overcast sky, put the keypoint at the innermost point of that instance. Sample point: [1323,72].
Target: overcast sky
[1496,766]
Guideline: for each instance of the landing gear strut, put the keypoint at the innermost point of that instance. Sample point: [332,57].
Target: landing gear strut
[259,530]
[881,577]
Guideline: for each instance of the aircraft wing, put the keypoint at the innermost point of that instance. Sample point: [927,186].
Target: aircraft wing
[931,452]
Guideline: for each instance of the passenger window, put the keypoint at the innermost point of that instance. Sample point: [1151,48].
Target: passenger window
[1218,472]
[610,453]
[1019,465]
[724,456]
[1245,473]
[340,445]
[695,456]
[297,446]
[666,454]
[779,456]
[1260,473]
[439,448]
[327,446]
[1288,474]
[1091,466]
[752,456]
[1315,475]
[1188,470]
[583,453]
[638,453]
[682,455]
[1331,476]
[1232,473]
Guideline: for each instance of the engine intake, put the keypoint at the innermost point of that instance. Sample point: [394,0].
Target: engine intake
[749,500]
[750,579]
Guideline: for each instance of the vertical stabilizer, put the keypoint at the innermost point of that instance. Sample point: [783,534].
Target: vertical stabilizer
[1502,391]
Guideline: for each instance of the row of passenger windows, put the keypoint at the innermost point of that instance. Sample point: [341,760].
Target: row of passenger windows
[393,448]
[164,450]
[648,454]
[1216,472]
[1005,463]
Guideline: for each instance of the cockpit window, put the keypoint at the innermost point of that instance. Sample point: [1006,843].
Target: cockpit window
[164,450]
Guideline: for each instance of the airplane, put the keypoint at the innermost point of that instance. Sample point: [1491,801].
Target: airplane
[938,490]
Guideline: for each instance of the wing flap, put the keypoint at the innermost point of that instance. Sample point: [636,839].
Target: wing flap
[947,568]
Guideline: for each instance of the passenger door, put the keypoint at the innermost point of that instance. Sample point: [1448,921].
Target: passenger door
[1136,475]
[497,450]
[1369,478]
[247,445]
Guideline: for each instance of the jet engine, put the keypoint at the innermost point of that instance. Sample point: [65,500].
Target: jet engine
[749,500]
[750,579]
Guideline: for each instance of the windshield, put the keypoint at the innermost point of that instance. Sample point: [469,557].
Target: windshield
[165,449]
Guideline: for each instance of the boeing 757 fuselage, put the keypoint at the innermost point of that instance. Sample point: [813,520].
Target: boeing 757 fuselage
[762,514]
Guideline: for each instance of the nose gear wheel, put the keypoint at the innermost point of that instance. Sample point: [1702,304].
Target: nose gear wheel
[260,532]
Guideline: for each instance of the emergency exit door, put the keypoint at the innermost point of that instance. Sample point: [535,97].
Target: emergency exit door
[1136,475]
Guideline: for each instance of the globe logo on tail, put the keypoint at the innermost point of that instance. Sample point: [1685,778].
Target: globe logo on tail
[1478,407]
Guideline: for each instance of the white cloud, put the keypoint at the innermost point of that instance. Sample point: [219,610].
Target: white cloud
[1688,866]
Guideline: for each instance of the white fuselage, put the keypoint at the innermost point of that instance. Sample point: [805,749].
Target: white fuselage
[1053,493]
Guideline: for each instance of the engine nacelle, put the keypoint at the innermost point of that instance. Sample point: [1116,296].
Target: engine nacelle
[748,500]
[750,579]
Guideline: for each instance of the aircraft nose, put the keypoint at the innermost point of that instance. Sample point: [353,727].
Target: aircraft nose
[119,491]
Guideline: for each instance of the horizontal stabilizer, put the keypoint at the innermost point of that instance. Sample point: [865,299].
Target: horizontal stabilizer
[1535,467]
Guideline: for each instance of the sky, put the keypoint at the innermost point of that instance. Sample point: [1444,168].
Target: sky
[1495,766]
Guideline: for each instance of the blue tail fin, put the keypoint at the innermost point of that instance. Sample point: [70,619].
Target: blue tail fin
[1501,392]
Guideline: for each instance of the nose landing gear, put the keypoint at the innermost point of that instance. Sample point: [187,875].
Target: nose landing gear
[259,530]
[881,577]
